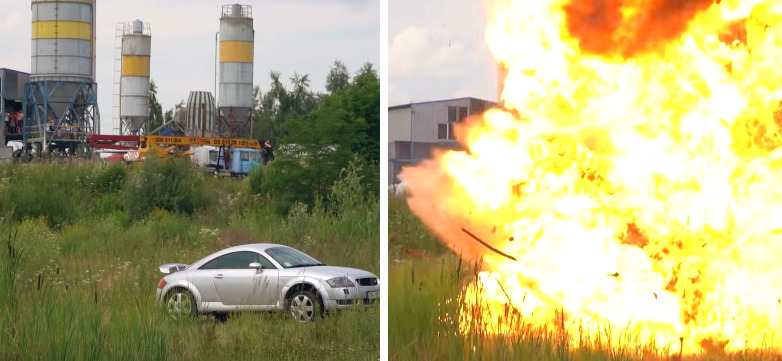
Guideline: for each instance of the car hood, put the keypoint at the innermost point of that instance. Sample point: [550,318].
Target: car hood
[328,272]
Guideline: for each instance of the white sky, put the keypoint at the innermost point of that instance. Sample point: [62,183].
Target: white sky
[303,36]
[436,50]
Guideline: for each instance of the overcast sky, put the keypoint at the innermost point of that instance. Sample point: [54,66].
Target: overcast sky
[436,50]
[303,36]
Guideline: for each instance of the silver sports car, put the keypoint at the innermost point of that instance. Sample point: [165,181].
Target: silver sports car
[263,277]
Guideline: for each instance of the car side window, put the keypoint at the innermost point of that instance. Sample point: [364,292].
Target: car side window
[210,265]
[238,260]
[266,263]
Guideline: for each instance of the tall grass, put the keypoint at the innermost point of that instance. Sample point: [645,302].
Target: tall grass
[78,276]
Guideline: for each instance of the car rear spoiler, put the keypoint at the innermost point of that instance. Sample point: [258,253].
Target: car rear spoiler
[172,267]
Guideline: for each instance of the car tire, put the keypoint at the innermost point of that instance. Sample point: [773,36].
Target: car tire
[305,306]
[220,317]
[180,303]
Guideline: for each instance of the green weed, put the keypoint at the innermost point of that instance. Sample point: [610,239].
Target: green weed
[78,274]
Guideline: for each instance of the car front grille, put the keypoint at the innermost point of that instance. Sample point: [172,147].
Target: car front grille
[367,281]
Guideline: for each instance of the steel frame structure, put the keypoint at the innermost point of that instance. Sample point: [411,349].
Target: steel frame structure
[77,103]
[228,126]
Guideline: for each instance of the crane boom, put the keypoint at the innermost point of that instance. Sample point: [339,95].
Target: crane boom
[217,142]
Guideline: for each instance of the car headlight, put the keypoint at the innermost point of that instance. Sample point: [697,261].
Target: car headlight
[340,282]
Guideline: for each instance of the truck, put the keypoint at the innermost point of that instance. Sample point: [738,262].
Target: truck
[239,163]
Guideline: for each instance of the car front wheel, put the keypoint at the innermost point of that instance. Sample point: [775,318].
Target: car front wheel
[305,306]
[180,303]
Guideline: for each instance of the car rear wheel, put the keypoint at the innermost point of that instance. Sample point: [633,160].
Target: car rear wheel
[305,306]
[180,303]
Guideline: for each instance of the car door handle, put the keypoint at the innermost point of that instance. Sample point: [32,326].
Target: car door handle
[219,276]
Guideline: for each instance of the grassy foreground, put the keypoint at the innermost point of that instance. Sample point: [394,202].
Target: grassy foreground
[78,269]
[425,281]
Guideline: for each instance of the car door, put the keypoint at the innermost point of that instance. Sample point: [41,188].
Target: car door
[239,285]
[203,280]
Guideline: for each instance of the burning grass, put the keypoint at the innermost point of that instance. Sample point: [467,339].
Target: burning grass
[434,316]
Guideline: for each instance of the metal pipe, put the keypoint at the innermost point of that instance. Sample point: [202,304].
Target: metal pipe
[216,60]
[203,120]
[2,110]
[411,133]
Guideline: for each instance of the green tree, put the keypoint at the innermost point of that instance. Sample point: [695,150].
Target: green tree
[324,141]
[362,101]
[155,109]
[279,104]
[338,78]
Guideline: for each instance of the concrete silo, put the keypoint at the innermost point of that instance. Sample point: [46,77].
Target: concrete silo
[200,118]
[136,46]
[60,101]
[235,94]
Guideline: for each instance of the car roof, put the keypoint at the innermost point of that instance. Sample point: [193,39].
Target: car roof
[251,247]
[257,247]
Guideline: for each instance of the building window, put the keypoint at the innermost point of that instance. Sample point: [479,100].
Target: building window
[442,131]
[457,114]
[445,131]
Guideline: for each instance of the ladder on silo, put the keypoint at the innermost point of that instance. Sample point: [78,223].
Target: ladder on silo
[117,122]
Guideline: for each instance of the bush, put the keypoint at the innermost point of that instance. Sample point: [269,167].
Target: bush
[348,192]
[34,191]
[255,178]
[168,184]
[286,181]
[112,179]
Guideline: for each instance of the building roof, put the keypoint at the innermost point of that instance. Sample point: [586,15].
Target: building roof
[12,70]
[402,106]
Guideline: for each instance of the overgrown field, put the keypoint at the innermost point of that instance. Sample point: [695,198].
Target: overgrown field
[425,280]
[80,248]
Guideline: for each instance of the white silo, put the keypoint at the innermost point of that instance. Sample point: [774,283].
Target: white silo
[134,77]
[62,80]
[62,40]
[235,94]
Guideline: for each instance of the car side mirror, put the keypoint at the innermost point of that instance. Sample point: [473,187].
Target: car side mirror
[256,265]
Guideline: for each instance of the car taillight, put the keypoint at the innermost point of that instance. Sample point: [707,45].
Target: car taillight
[162,283]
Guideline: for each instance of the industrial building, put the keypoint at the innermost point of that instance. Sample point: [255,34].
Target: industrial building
[55,106]
[11,98]
[416,129]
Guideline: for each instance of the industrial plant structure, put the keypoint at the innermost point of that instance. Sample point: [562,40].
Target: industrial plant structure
[60,101]
[235,95]
[135,47]
[200,115]
[56,107]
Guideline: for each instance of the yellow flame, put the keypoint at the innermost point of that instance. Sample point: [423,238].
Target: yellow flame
[634,181]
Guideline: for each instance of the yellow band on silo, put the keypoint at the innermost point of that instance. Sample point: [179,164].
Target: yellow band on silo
[64,1]
[53,29]
[236,51]
[135,65]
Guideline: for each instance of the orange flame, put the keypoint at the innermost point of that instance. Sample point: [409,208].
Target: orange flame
[633,176]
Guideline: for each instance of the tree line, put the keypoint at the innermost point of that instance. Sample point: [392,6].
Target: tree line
[315,134]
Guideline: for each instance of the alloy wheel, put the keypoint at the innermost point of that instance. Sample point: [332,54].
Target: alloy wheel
[180,304]
[302,308]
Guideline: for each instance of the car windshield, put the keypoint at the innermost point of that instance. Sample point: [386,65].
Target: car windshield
[291,258]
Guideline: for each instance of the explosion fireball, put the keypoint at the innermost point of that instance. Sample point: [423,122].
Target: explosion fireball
[633,176]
